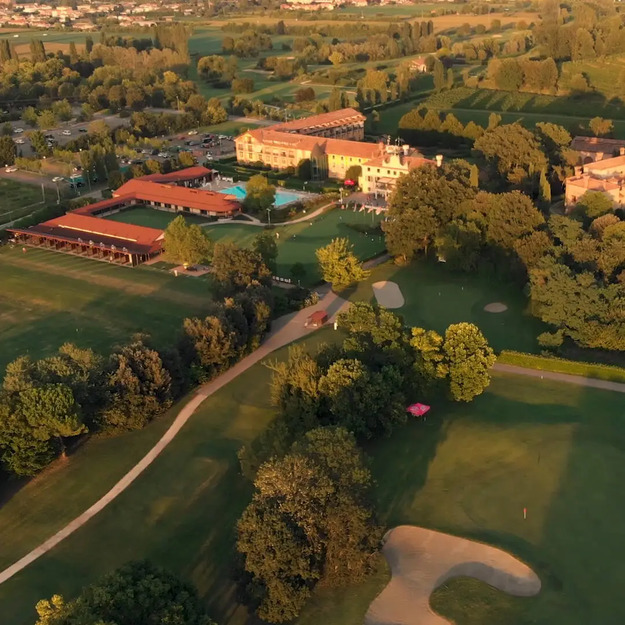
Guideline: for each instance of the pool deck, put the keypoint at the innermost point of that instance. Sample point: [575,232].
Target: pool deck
[220,185]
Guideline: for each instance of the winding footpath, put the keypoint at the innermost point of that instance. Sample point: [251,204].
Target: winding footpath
[284,331]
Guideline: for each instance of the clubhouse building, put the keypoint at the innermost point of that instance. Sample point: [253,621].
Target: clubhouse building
[86,232]
[332,142]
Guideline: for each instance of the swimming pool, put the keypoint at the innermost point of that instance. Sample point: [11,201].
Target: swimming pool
[282,197]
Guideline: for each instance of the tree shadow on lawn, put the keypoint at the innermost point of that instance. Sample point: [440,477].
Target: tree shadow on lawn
[566,465]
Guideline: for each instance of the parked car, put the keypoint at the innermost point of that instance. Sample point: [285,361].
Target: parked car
[18,131]
[67,133]
[192,132]
[164,154]
[58,179]
[49,136]
[11,169]
[82,130]
[19,141]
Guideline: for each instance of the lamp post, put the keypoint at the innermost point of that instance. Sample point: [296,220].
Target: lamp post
[269,215]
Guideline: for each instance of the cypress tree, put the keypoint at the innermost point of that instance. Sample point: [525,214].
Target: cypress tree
[544,189]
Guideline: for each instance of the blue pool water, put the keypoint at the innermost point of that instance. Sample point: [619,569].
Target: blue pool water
[282,197]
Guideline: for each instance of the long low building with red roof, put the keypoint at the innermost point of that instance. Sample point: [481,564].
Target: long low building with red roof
[94,237]
[86,232]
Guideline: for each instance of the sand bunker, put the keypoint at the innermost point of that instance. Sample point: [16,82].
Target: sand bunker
[388,294]
[495,307]
[421,560]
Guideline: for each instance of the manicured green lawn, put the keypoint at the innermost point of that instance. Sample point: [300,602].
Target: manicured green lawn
[436,297]
[47,299]
[556,449]
[298,242]
[153,218]
[17,199]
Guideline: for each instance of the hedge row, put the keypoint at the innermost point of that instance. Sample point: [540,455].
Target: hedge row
[560,365]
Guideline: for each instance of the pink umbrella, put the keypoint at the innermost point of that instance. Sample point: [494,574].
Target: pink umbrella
[417,410]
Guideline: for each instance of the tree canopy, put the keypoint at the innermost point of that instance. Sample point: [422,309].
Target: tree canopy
[187,244]
[137,593]
[339,265]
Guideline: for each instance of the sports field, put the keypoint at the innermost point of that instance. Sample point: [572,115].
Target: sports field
[47,299]
[436,297]
[297,243]
[554,449]
[153,218]
[17,200]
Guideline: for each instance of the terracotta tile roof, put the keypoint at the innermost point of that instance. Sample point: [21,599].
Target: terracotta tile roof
[341,147]
[597,144]
[283,139]
[98,232]
[358,149]
[324,120]
[607,163]
[178,196]
[593,184]
[190,173]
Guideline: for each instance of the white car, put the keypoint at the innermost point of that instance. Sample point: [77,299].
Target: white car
[58,179]
[19,141]
[163,154]
[10,170]
[18,131]
[67,133]
[192,132]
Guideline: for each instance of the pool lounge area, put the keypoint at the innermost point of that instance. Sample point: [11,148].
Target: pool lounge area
[282,197]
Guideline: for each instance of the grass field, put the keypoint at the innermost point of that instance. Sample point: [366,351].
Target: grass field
[435,298]
[17,199]
[556,449]
[153,218]
[297,243]
[47,299]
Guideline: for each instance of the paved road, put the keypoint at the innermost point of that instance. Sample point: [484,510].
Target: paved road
[422,560]
[253,221]
[284,330]
[579,380]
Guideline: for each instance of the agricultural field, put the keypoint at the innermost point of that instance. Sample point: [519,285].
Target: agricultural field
[552,448]
[18,200]
[297,242]
[47,299]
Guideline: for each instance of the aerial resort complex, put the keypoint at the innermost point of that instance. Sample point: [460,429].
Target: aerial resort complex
[312,312]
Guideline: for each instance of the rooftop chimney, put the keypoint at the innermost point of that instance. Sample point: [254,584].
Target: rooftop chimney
[439,160]
[622,151]
[406,149]
[579,170]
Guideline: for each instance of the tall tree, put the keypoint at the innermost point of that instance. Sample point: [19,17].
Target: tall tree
[137,593]
[265,245]
[259,195]
[468,358]
[139,387]
[187,244]
[309,519]
[339,265]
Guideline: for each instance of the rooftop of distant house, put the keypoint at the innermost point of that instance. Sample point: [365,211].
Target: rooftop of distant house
[323,120]
[597,144]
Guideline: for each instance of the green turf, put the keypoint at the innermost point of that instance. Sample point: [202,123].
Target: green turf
[298,242]
[18,199]
[556,449]
[436,297]
[152,217]
[47,298]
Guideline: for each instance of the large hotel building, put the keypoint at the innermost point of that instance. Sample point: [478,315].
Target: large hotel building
[333,142]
